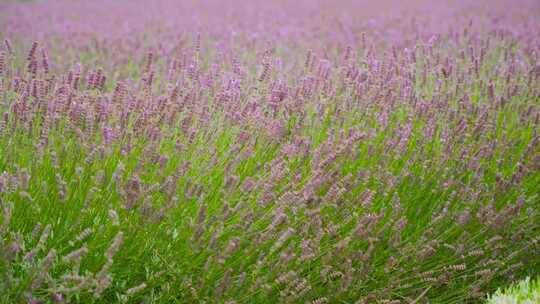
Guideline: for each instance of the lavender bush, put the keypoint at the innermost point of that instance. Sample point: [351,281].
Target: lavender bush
[268,151]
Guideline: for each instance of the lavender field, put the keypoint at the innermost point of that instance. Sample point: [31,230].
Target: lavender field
[307,151]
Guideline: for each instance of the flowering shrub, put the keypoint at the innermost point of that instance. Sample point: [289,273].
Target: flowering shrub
[239,152]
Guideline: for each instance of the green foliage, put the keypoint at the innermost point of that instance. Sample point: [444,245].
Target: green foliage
[523,292]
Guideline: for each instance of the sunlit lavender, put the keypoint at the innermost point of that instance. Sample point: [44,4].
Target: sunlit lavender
[205,151]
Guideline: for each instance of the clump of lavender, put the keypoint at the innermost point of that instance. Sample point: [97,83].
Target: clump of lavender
[393,160]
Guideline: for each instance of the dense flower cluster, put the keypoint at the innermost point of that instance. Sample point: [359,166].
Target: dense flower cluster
[235,152]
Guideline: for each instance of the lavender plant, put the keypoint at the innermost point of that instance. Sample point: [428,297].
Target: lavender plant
[230,152]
